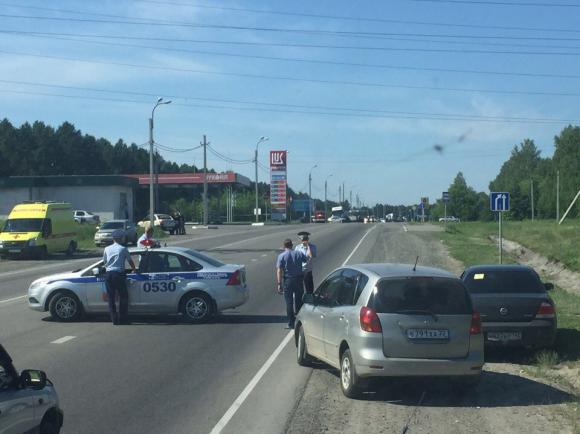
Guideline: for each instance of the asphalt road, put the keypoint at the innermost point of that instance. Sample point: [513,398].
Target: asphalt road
[237,374]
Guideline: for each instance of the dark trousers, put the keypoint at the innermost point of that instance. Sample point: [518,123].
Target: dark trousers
[116,284]
[293,291]
[308,282]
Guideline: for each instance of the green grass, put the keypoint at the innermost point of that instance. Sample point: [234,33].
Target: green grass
[86,235]
[556,242]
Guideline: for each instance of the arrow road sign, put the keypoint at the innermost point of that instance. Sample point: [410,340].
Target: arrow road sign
[499,201]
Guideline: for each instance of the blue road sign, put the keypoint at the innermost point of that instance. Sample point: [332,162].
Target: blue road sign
[445,196]
[499,201]
[421,205]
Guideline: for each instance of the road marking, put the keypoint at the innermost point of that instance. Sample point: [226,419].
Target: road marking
[264,255]
[357,246]
[254,260]
[63,340]
[405,228]
[8,300]
[229,414]
[251,385]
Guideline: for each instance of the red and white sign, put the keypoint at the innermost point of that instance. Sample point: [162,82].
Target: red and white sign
[278,184]
[278,159]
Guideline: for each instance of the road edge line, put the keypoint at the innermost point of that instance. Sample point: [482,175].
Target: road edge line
[357,246]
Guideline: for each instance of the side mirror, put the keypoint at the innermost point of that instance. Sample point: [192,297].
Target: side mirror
[33,379]
[549,286]
[97,227]
[97,271]
[308,298]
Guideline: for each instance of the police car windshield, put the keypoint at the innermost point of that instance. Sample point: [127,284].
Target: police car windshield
[112,225]
[23,225]
[211,261]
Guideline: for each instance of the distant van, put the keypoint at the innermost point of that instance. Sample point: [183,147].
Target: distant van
[37,229]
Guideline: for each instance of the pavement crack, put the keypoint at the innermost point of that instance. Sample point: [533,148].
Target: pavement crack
[413,413]
[297,403]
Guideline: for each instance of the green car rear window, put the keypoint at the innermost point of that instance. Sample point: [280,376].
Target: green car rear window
[436,295]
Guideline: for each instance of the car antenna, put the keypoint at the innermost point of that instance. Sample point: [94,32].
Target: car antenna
[415,266]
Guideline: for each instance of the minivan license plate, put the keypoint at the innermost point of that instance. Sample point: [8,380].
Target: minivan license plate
[427,334]
[504,336]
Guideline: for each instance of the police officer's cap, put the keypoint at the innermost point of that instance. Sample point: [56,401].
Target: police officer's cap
[303,235]
[118,234]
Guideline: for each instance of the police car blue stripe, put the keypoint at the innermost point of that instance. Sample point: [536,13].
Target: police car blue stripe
[154,277]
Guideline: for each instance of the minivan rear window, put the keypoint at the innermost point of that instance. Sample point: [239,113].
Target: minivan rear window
[503,282]
[408,295]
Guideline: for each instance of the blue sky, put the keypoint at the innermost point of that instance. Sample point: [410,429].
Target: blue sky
[370,115]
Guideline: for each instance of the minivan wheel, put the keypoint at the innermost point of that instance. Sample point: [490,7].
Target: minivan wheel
[49,426]
[349,381]
[65,307]
[302,356]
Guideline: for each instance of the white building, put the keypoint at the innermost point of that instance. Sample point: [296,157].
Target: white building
[108,196]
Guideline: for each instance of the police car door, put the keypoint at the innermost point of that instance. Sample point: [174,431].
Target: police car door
[95,290]
[165,279]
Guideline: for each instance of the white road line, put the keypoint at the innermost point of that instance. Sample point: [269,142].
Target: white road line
[357,246]
[251,385]
[254,260]
[229,414]
[405,228]
[264,255]
[8,300]
[63,340]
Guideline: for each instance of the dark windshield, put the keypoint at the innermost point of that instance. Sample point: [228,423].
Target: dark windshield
[23,225]
[503,281]
[414,294]
[113,225]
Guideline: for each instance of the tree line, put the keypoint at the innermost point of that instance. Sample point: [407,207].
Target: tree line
[525,174]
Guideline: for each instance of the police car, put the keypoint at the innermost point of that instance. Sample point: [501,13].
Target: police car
[168,280]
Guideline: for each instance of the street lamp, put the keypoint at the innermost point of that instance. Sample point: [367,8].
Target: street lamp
[151,200]
[310,193]
[325,200]
[262,139]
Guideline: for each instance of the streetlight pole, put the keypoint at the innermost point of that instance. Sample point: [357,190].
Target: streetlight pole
[325,199]
[310,193]
[151,141]
[262,139]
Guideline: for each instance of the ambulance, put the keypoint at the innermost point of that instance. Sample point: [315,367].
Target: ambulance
[37,229]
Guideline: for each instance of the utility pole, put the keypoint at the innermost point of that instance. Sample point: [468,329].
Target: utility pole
[310,197]
[256,183]
[343,192]
[532,185]
[557,196]
[205,210]
[151,198]
[339,195]
[350,200]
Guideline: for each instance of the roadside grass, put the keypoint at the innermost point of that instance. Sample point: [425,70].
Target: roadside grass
[86,235]
[556,242]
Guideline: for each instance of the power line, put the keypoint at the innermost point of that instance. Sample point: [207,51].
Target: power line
[65,37]
[305,15]
[296,79]
[271,110]
[343,33]
[355,19]
[171,149]
[505,3]
[226,158]
[294,106]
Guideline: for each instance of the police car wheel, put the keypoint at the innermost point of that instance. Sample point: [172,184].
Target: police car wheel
[65,307]
[197,308]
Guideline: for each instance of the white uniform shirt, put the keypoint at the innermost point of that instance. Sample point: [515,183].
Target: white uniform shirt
[307,266]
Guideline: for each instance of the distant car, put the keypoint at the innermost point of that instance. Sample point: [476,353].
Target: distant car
[82,216]
[169,280]
[450,219]
[104,234]
[514,305]
[336,219]
[28,401]
[319,217]
[391,320]
[164,221]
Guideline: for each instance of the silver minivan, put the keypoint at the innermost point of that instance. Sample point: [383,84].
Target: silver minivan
[391,320]
[28,401]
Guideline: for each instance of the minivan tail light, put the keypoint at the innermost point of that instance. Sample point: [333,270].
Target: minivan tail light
[235,279]
[546,310]
[369,320]
[475,328]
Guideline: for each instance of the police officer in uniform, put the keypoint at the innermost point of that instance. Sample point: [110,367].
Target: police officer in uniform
[114,258]
[307,266]
[290,278]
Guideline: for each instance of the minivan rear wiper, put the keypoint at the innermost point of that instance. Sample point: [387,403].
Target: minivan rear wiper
[418,312]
